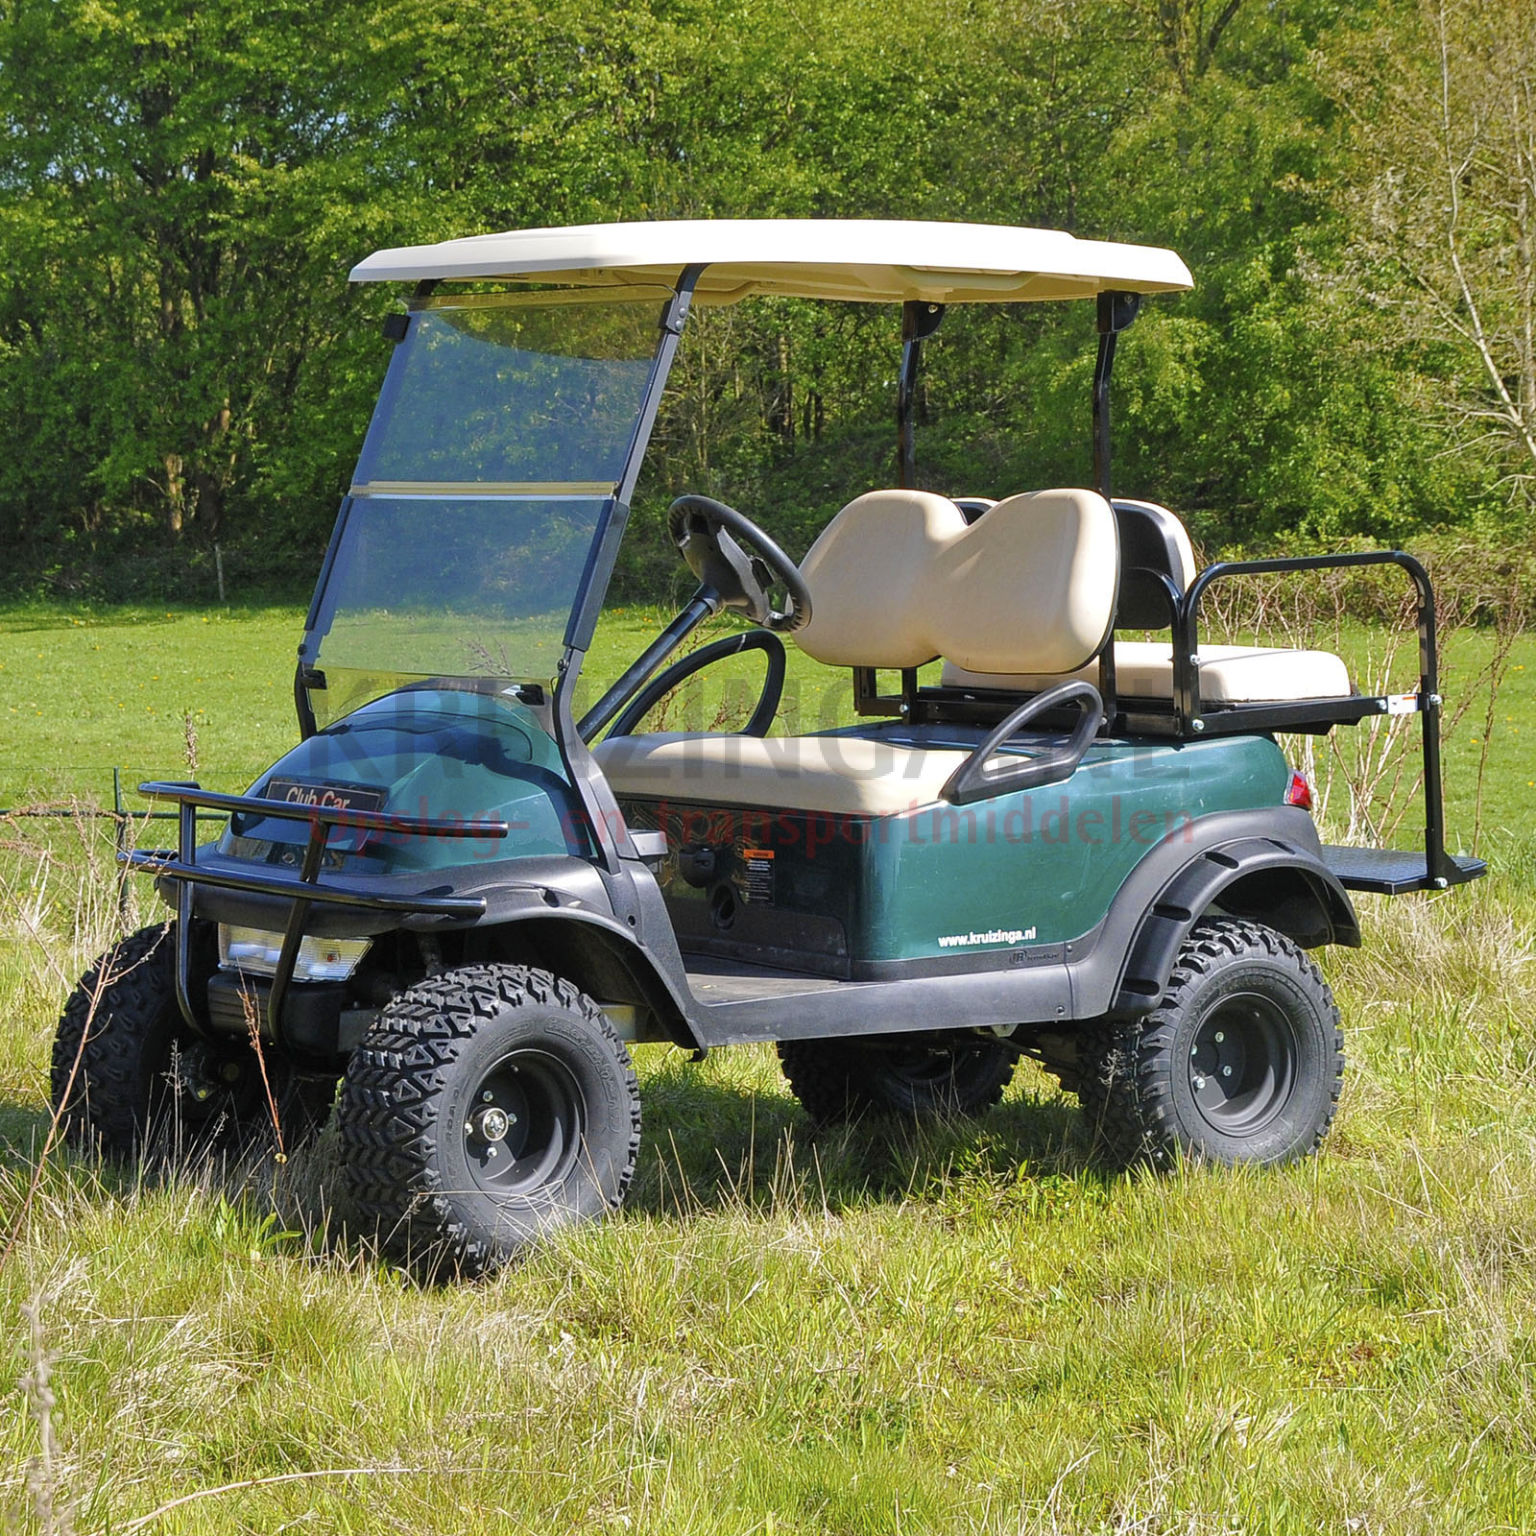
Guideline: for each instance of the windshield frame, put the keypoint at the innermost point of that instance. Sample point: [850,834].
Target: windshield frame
[607,824]
[590,588]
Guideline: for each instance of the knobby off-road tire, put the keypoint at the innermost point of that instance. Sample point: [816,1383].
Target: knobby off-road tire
[129,1078]
[487,1106]
[1241,1062]
[838,1080]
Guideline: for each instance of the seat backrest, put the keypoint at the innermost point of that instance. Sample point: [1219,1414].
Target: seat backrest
[898,577]
[868,573]
[1151,539]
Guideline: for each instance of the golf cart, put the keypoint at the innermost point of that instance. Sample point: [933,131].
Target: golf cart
[464,895]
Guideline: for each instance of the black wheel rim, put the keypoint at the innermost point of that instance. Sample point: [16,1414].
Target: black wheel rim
[523,1125]
[922,1066]
[1242,1064]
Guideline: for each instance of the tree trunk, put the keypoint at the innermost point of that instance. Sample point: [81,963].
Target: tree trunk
[175,495]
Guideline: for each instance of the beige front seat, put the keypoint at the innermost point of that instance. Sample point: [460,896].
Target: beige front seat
[897,579]
[834,775]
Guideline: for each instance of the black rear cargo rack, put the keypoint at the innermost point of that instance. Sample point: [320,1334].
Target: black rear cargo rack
[1187,717]
[1387,871]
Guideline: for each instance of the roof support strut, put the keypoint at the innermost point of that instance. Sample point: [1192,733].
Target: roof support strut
[918,322]
[1116,311]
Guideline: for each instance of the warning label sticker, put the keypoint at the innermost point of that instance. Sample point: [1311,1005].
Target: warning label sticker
[759,867]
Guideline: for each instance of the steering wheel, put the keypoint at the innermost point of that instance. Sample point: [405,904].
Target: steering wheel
[706,533]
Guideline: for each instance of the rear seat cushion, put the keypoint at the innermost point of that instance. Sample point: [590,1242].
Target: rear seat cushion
[841,775]
[1229,674]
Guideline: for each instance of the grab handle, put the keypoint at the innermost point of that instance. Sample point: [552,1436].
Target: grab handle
[974,780]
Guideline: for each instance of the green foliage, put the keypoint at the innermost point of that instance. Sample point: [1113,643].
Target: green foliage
[182,362]
[173,200]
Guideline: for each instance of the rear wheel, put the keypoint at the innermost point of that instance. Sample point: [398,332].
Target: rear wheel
[843,1079]
[488,1105]
[129,1077]
[1241,1062]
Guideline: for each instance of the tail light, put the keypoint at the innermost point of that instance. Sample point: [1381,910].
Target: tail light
[1299,791]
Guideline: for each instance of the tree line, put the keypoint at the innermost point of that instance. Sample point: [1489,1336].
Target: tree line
[1353,183]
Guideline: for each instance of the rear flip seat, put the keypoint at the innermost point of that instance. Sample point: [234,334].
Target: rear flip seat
[1229,674]
[1154,544]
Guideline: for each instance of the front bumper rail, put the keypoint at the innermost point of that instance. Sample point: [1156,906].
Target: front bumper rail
[304,892]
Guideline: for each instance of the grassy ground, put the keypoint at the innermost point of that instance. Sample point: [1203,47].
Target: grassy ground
[969,1329]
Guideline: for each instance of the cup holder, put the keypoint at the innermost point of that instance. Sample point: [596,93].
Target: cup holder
[722,907]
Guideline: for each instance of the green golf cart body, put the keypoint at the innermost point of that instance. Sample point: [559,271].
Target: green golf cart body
[465,895]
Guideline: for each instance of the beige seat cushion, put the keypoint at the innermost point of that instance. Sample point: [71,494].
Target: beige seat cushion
[843,775]
[1229,674]
[899,577]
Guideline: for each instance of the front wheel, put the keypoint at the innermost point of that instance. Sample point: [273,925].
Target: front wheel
[1240,1062]
[912,1079]
[488,1105]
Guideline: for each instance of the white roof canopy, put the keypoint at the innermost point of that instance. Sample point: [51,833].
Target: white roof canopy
[878,260]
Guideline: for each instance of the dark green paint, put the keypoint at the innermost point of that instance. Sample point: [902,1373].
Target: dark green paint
[846,891]
[441,754]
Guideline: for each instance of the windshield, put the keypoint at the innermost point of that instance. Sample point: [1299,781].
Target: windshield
[487,476]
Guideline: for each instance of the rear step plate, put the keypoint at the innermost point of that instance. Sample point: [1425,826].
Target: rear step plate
[1393,871]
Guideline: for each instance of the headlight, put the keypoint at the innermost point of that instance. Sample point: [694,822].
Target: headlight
[257,951]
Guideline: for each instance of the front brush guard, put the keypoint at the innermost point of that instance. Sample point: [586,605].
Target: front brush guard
[304,892]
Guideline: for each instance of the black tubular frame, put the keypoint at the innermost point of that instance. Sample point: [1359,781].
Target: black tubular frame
[919,320]
[1116,312]
[1441,868]
[304,892]
[1186,717]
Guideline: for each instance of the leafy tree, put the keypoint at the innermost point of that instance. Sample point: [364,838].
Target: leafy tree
[182,192]
[1443,178]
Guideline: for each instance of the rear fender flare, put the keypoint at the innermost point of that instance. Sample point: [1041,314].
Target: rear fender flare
[1283,887]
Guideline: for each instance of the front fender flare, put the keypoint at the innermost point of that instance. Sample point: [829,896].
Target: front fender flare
[599,955]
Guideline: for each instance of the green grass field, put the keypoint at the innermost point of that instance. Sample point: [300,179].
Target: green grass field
[83,693]
[967,1329]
